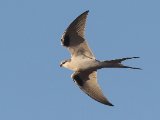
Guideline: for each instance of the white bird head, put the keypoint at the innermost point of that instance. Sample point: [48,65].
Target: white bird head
[64,63]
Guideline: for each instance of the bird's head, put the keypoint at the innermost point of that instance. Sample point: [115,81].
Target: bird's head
[64,63]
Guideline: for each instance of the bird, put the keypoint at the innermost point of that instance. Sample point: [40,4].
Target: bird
[83,62]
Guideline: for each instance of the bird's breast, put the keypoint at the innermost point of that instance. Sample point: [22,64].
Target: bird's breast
[83,64]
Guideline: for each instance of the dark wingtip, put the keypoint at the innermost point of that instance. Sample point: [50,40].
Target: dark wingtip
[110,104]
[86,12]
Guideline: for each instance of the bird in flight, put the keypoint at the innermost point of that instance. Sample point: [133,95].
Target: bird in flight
[83,62]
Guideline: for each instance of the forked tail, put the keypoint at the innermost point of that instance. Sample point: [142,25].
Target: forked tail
[117,63]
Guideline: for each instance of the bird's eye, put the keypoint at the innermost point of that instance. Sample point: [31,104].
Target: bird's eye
[63,62]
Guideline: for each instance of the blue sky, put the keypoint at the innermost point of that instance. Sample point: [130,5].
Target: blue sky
[34,87]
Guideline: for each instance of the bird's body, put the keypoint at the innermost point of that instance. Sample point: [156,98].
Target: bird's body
[83,62]
[79,64]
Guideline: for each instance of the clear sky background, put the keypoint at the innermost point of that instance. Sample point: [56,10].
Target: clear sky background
[34,87]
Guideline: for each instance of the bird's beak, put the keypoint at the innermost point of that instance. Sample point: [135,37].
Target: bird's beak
[60,65]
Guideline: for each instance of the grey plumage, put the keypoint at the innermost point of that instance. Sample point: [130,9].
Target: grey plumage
[83,62]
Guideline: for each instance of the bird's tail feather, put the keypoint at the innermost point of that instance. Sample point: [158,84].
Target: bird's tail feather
[117,63]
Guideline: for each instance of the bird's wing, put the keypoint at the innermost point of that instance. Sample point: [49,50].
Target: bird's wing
[87,81]
[73,37]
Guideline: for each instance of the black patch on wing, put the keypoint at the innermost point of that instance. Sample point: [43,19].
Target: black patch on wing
[66,41]
[78,80]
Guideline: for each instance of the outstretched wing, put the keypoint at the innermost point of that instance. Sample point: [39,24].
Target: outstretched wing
[73,37]
[87,82]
